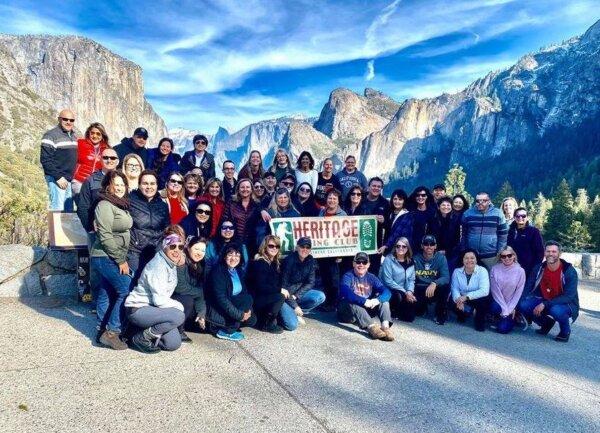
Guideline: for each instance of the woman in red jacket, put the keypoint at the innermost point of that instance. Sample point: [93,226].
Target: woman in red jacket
[89,151]
[213,192]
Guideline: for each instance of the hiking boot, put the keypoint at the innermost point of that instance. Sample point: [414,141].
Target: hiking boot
[563,338]
[184,337]
[549,323]
[376,332]
[272,327]
[389,336]
[141,342]
[111,339]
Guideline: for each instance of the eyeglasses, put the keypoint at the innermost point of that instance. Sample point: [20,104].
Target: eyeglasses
[174,247]
[273,246]
[506,256]
[233,254]
[304,189]
[227,228]
[66,119]
[110,158]
[361,262]
[180,182]
[521,215]
[401,246]
[358,194]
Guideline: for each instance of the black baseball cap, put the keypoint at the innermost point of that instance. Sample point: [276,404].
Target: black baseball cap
[141,132]
[268,174]
[361,256]
[439,186]
[428,240]
[304,242]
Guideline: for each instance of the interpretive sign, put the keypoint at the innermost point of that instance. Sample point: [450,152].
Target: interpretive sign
[330,236]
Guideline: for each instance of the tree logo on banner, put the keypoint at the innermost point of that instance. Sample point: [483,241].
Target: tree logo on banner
[283,230]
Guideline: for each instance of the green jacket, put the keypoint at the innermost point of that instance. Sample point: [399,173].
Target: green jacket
[112,232]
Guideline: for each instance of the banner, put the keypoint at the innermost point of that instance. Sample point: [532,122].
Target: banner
[331,236]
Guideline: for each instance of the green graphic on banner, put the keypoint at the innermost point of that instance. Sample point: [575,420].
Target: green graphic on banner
[331,237]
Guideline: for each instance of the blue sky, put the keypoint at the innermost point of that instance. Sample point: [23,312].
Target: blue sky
[230,63]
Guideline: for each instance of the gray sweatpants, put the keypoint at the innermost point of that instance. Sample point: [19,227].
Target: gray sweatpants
[364,317]
[161,321]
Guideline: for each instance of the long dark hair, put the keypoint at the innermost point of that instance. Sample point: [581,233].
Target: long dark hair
[311,165]
[464,200]
[231,246]
[429,202]
[195,269]
[400,193]
[106,192]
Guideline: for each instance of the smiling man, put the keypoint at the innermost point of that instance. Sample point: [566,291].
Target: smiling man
[135,144]
[58,156]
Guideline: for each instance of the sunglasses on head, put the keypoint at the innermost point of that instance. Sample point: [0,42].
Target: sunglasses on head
[66,119]
[174,247]
[110,158]
[180,182]
[273,246]
[506,256]
[361,262]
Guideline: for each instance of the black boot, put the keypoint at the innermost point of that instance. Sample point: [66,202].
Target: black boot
[271,325]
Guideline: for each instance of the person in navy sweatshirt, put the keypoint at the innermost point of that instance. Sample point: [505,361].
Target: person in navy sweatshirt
[550,294]
[363,297]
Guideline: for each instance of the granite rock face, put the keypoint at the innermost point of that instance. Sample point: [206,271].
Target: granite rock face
[76,72]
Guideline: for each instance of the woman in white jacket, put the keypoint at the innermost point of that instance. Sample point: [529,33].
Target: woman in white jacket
[149,305]
[470,289]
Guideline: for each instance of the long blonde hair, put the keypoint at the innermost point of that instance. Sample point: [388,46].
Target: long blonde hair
[262,250]
[409,253]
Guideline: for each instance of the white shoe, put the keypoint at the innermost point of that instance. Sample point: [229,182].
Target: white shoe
[301,321]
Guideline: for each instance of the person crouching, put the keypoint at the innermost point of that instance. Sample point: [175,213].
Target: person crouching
[149,305]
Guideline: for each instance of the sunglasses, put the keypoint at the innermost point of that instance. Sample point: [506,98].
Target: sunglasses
[259,187]
[361,262]
[203,211]
[273,246]
[304,247]
[174,247]
[401,246]
[96,134]
[66,119]
[420,195]
[429,244]
[506,256]
[521,215]
[110,158]
[485,200]
[304,189]
[227,228]
[356,193]
[133,166]
[204,143]
[180,182]
[288,183]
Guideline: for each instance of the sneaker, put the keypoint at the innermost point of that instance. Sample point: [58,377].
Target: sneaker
[563,338]
[301,321]
[376,332]
[141,342]
[521,322]
[111,339]
[184,337]
[234,336]
[546,328]
[272,328]
[389,336]
[440,321]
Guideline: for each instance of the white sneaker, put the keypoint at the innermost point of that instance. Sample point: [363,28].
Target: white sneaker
[301,320]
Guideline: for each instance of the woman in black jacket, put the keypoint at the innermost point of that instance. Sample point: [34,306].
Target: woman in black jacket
[190,286]
[150,216]
[304,201]
[422,206]
[264,280]
[229,305]
[446,229]
[199,222]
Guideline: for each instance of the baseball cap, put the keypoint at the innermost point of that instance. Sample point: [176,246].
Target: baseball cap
[304,242]
[439,186]
[361,256]
[141,132]
[268,174]
[428,240]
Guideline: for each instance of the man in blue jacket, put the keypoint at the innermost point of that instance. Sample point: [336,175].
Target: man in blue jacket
[362,297]
[551,294]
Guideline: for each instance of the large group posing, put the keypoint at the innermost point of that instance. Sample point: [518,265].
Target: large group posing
[173,248]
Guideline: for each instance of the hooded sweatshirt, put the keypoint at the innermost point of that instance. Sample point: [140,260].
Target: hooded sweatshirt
[433,270]
[507,284]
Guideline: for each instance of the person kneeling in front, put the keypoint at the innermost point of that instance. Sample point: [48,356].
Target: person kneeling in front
[149,305]
[229,305]
[362,297]
[298,279]
[551,294]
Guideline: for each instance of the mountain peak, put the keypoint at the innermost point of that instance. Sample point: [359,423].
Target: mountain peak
[592,33]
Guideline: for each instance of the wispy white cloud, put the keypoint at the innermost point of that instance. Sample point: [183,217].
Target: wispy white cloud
[370,72]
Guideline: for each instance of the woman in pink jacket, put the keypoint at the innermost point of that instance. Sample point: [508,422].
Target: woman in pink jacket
[507,279]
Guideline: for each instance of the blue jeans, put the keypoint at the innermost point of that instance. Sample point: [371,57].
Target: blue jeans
[506,324]
[309,301]
[560,313]
[113,288]
[59,199]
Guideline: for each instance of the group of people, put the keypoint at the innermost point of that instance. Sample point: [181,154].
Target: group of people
[174,248]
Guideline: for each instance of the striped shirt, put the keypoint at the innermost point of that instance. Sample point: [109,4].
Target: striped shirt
[58,153]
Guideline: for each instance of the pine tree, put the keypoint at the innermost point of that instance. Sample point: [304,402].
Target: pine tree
[594,227]
[561,215]
[577,237]
[581,205]
[542,206]
[455,182]
[506,190]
